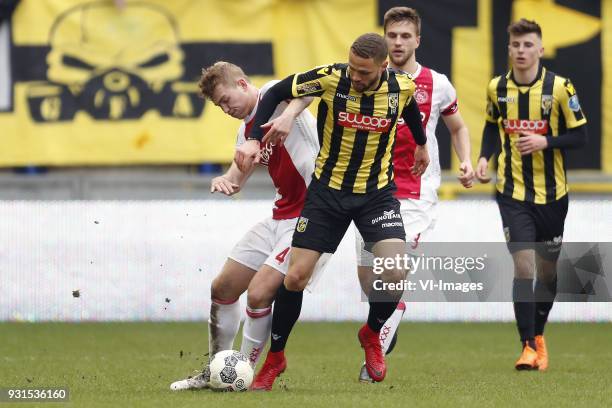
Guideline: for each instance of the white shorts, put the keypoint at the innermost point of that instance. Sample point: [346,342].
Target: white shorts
[269,243]
[419,219]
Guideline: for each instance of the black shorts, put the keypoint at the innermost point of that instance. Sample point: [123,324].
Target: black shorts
[533,226]
[327,214]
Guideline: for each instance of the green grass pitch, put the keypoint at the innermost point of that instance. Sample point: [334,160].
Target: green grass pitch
[434,364]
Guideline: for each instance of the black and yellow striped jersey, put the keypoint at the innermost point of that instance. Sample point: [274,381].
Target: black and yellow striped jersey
[356,130]
[548,106]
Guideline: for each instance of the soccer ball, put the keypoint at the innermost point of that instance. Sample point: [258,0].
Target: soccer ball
[230,370]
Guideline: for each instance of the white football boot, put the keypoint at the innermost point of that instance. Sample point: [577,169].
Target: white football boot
[197,382]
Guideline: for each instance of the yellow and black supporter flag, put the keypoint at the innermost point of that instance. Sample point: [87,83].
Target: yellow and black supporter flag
[94,83]
[90,83]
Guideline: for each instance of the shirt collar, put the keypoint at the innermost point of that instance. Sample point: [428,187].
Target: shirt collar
[539,76]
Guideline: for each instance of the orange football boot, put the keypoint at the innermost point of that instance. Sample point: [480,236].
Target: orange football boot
[528,359]
[542,353]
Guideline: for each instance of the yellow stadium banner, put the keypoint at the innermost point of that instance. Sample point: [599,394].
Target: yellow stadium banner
[95,84]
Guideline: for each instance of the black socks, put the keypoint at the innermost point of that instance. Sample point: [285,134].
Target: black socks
[545,293]
[524,308]
[287,308]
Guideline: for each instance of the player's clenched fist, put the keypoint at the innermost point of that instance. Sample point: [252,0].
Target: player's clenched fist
[247,154]
[482,173]
[466,174]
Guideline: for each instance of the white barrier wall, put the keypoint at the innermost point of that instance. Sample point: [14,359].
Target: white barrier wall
[155,260]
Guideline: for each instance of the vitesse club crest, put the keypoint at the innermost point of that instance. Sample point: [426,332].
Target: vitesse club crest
[301,224]
[546,104]
[393,102]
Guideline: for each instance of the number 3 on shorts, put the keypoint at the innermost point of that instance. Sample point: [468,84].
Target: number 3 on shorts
[281,255]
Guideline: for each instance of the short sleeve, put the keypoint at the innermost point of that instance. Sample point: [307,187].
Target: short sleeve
[407,88]
[448,102]
[240,137]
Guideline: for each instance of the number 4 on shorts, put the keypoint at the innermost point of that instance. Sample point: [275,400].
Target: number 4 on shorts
[281,255]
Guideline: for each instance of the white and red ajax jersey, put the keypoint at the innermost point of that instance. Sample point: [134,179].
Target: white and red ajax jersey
[435,96]
[290,166]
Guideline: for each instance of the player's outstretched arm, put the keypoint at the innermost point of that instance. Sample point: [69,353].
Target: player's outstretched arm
[231,182]
[412,118]
[279,128]
[460,137]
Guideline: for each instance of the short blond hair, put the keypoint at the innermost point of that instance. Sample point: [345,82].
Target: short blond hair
[221,72]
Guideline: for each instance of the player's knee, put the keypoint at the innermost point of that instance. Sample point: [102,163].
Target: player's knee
[366,278]
[259,298]
[222,289]
[366,285]
[392,275]
[524,269]
[296,281]
[547,270]
[522,272]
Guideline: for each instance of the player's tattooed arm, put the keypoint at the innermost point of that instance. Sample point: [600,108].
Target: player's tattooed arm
[279,128]
[231,182]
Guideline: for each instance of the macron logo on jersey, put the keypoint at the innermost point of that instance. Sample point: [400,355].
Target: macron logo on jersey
[523,125]
[364,122]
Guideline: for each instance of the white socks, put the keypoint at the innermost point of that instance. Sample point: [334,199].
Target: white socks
[223,324]
[390,327]
[255,332]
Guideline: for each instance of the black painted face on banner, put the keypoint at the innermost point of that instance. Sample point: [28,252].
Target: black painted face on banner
[114,66]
